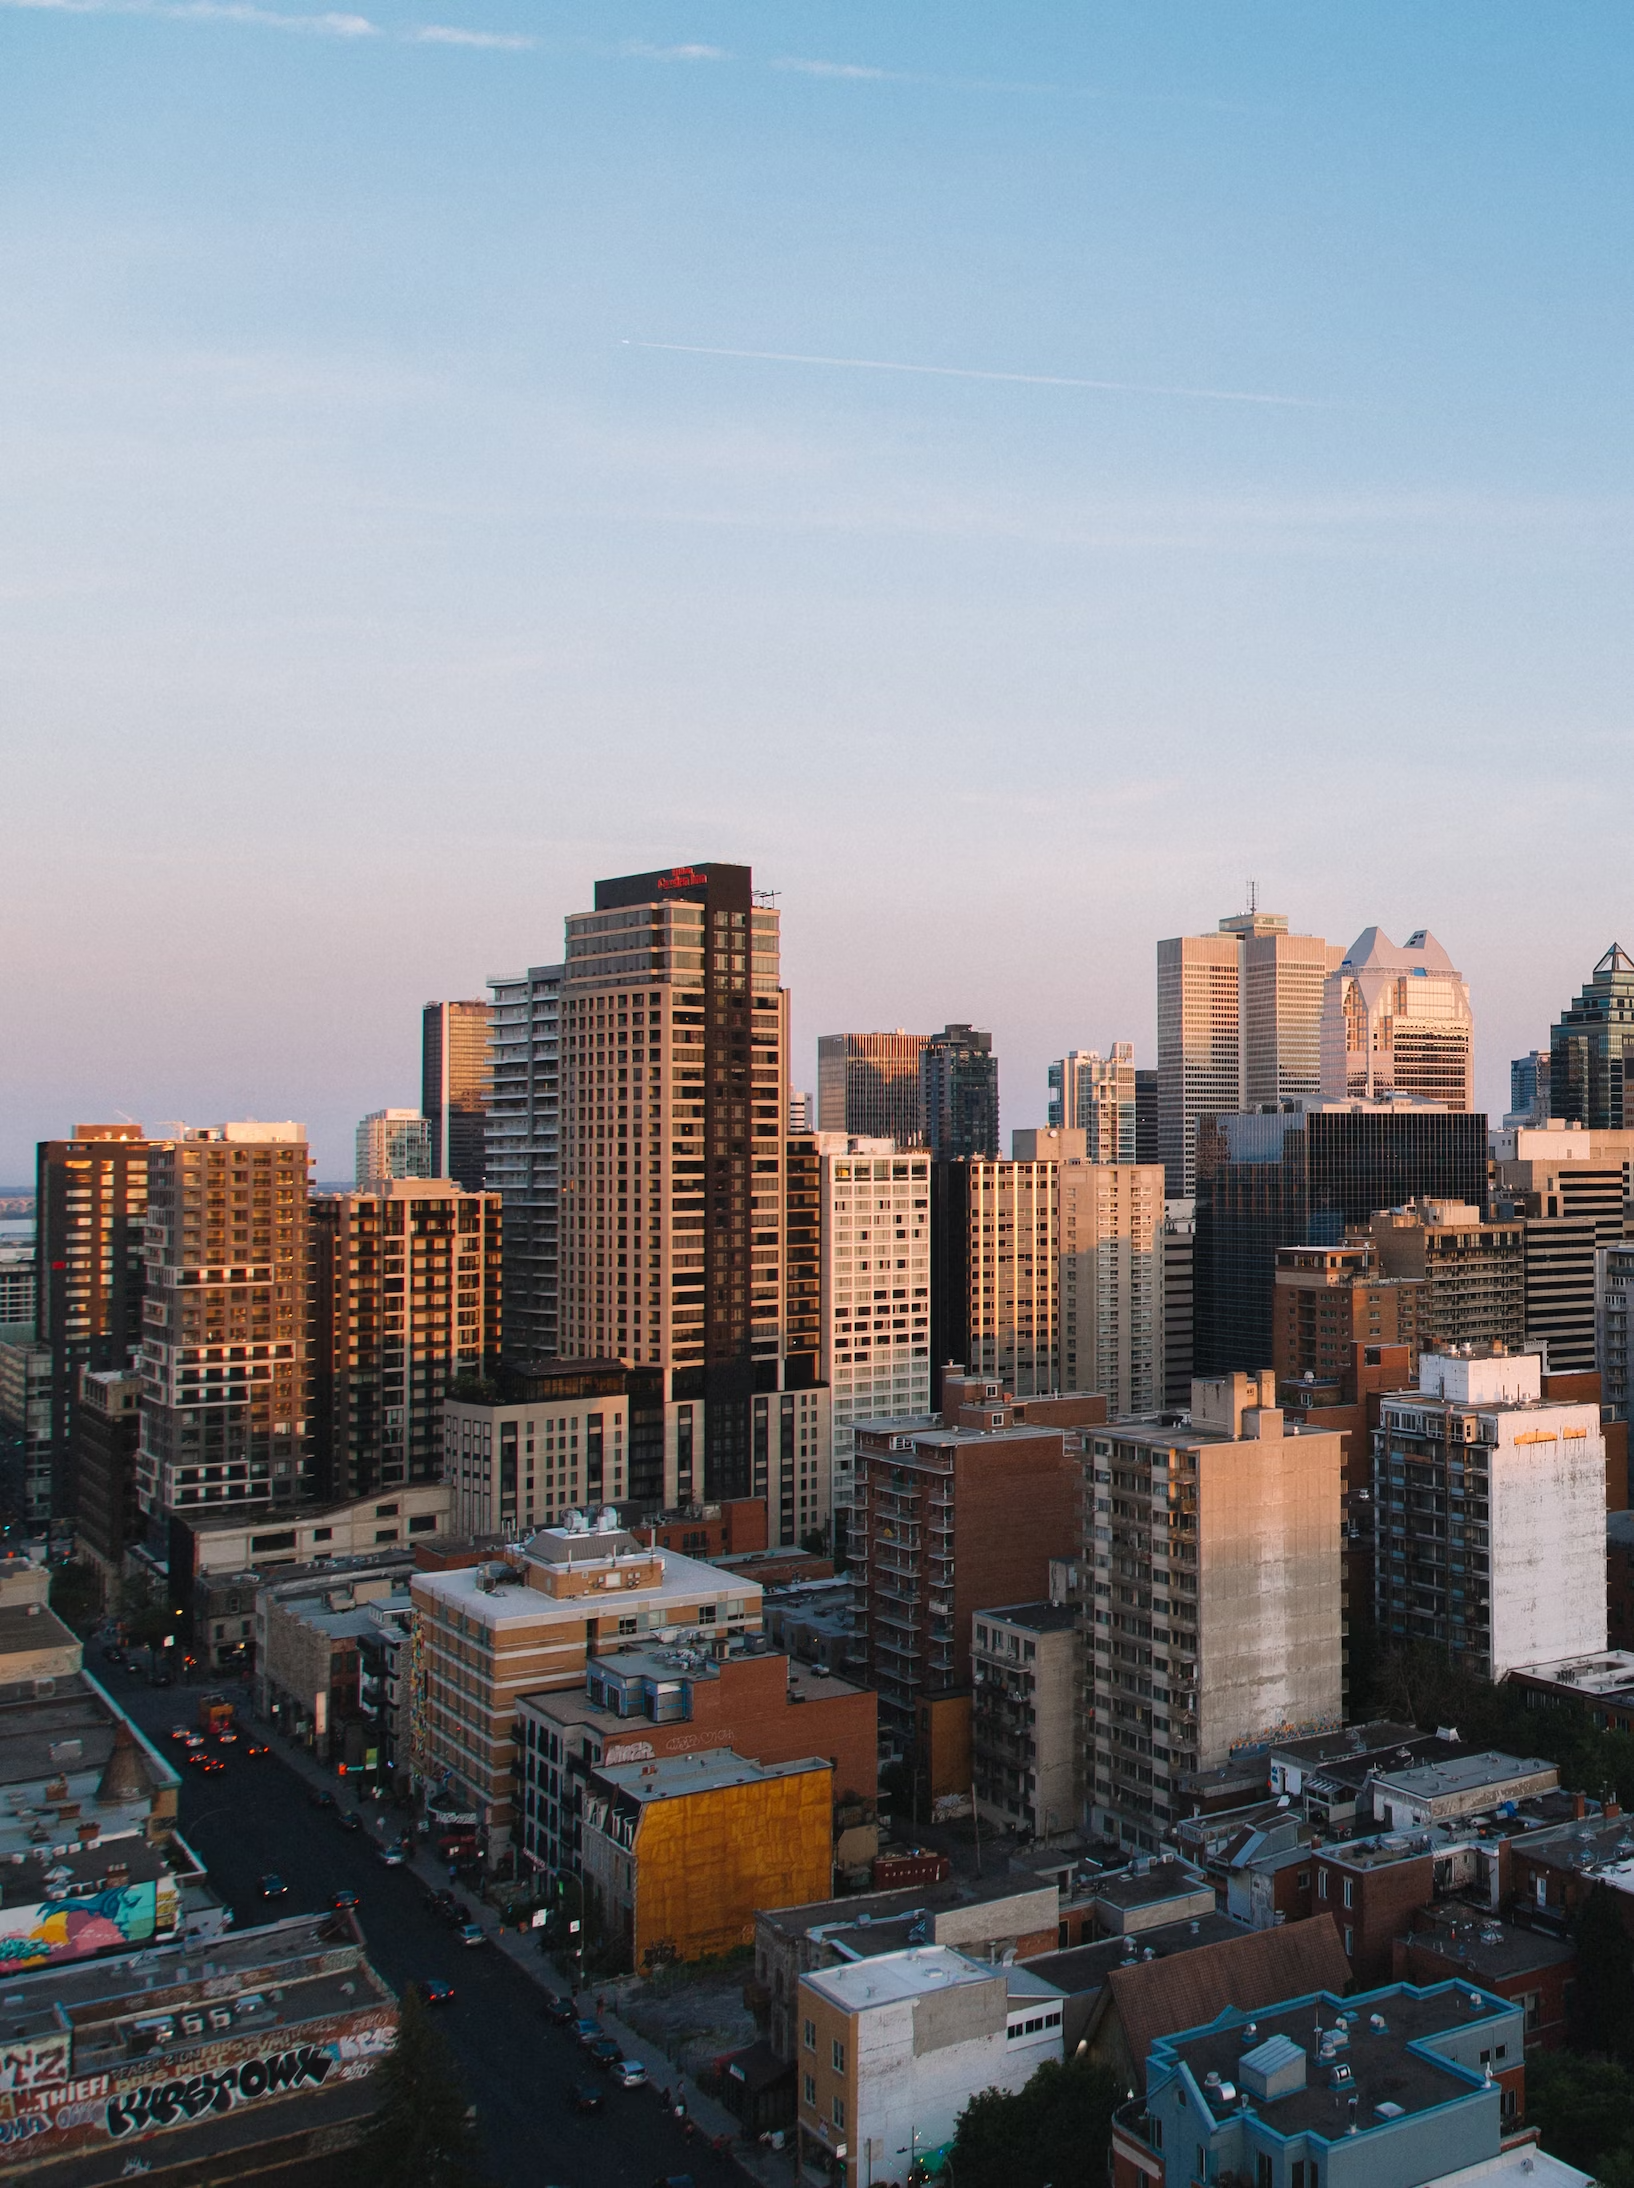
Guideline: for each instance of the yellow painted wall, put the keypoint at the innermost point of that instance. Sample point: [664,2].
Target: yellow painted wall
[706,1862]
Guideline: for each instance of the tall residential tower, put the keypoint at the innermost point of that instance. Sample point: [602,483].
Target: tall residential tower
[454,1089]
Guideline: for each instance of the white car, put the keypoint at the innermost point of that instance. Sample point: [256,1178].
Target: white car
[630,2074]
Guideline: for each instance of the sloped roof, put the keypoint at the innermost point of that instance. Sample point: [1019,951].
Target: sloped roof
[1261,1968]
[1373,951]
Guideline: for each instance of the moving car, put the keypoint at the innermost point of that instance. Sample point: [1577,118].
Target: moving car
[181,1732]
[585,2097]
[630,2074]
[256,1747]
[273,1885]
[349,1819]
[344,1902]
[393,1856]
[473,1933]
[436,1992]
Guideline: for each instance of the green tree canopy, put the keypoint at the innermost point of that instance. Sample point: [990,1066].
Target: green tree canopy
[421,2130]
[1052,2134]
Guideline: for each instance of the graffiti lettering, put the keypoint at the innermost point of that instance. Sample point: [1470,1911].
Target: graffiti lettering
[164,2104]
[19,2130]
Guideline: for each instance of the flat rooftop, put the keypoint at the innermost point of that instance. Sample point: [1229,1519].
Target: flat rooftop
[1035,1617]
[901,1976]
[70,1734]
[1484,1950]
[1388,2067]
[1082,1968]
[861,1912]
[1167,1879]
[1457,1774]
[1608,1676]
[276,1977]
[673,1777]
[515,1603]
[1339,1746]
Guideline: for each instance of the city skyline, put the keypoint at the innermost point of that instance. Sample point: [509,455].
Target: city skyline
[387,591]
[1024,1092]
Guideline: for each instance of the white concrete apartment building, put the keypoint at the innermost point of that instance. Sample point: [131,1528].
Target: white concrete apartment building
[1110,1298]
[392,1143]
[1213,1612]
[875,1247]
[1095,1094]
[486,1634]
[893,2047]
[1489,1515]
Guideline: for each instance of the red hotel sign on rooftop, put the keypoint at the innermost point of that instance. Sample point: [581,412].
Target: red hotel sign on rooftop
[683,877]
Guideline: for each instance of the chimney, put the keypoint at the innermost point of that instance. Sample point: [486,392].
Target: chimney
[1611,1807]
[1579,1807]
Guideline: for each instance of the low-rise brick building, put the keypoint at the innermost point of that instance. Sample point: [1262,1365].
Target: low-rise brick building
[1533,1970]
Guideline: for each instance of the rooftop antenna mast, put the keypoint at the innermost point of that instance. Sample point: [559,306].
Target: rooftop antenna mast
[1253,896]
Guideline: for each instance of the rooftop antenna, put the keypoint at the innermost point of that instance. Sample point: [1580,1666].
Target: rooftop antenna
[1253,896]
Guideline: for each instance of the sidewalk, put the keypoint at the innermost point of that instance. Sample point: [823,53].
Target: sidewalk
[772,2168]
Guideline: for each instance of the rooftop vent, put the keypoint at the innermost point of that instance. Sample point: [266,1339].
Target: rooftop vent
[1273,2069]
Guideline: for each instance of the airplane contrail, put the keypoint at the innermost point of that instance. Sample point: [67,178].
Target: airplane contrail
[972,372]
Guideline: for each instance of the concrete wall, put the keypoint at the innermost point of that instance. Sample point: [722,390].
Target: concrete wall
[1548,1475]
[1268,1588]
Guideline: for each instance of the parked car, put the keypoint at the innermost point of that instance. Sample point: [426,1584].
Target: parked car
[438,1902]
[393,1855]
[473,1933]
[673,2180]
[273,1885]
[585,2097]
[256,1747]
[630,2074]
[605,2052]
[113,1656]
[321,1797]
[349,1819]
[588,2032]
[558,2010]
[436,1992]
[343,1902]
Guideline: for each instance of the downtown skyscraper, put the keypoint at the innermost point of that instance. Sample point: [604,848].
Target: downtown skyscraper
[674,1032]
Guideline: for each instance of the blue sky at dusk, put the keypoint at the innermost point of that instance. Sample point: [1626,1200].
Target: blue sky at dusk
[422,493]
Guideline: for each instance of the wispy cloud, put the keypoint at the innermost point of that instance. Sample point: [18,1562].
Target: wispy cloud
[208,11]
[637,49]
[854,69]
[492,41]
[976,372]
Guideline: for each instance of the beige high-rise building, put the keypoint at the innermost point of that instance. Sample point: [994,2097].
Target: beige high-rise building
[868,1086]
[1239,1018]
[995,1277]
[1211,1555]
[1095,1094]
[875,1247]
[225,1345]
[405,1290]
[674,1098]
[1110,1295]
[1397,1021]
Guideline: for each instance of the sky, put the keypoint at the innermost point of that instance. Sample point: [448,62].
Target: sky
[1011,476]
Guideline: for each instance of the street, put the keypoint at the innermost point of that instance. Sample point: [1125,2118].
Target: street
[257,1816]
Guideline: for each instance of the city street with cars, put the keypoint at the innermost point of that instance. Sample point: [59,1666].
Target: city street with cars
[554,2112]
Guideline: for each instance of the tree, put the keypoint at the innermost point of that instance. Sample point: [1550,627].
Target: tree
[1052,2134]
[421,2130]
[1605,1975]
[143,1611]
[1583,2110]
[76,1595]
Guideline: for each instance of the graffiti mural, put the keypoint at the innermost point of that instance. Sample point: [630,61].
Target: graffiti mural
[149,2098]
[54,1930]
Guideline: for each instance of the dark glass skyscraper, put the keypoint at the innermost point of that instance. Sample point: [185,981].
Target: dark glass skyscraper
[455,1084]
[1298,1178]
[1591,1048]
[959,1095]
